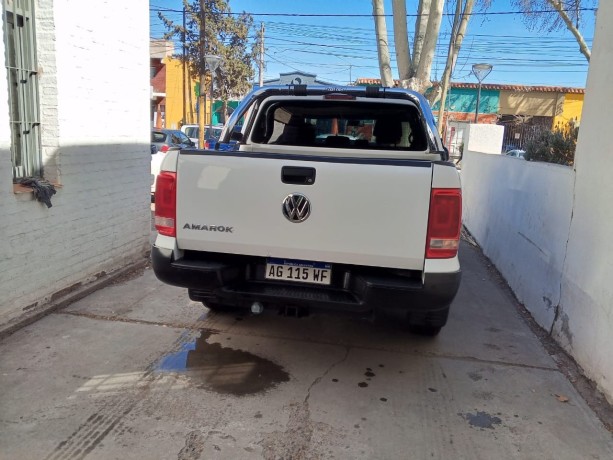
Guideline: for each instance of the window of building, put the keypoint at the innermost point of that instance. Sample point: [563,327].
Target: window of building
[21,66]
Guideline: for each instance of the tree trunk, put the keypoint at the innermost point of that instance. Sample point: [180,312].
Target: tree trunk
[401,40]
[382,46]
[460,22]
[421,81]
[421,24]
[559,7]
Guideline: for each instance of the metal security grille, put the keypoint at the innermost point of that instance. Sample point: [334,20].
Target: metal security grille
[21,66]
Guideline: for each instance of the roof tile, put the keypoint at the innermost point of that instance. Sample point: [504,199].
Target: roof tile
[492,86]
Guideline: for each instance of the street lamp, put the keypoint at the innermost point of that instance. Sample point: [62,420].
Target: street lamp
[212,60]
[481,71]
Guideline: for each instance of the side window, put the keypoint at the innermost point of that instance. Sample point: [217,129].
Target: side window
[175,139]
[158,137]
[183,138]
[21,66]
[191,132]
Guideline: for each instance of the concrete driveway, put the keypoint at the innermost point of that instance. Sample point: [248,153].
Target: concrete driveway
[136,370]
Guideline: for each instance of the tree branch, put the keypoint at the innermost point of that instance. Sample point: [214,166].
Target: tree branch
[585,50]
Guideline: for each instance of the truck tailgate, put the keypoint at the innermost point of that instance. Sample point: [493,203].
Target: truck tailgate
[362,211]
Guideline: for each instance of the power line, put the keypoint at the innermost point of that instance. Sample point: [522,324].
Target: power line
[370,15]
[541,54]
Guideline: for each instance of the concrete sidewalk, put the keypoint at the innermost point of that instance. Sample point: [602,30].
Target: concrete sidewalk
[136,370]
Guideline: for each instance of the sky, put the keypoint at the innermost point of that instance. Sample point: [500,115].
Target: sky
[341,49]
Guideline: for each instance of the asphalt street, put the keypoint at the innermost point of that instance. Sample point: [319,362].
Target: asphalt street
[137,370]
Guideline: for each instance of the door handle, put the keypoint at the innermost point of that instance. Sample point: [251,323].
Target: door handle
[297,175]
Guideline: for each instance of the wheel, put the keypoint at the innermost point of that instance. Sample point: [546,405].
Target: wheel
[425,330]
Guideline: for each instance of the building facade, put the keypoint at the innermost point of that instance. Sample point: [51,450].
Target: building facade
[174,91]
[72,122]
[523,110]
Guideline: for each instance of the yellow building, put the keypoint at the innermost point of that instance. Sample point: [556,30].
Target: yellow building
[571,110]
[174,95]
[562,105]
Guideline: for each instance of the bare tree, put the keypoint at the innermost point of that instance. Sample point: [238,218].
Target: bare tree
[414,72]
[382,45]
[401,40]
[567,14]
[421,24]
[421,79]
[460,22]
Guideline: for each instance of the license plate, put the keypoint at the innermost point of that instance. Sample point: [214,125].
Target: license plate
[298,271]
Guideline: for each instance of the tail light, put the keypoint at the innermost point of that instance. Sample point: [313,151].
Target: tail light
[206,144]
[166,203]
[444,223]
[164,148]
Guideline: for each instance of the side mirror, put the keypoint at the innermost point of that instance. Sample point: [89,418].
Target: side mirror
[154,149]
[446,150]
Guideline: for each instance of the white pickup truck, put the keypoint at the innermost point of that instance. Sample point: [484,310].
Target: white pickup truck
[316,198]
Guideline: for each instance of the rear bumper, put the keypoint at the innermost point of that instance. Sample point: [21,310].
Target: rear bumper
[239,281]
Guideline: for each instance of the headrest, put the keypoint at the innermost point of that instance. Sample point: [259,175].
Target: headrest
[388,131]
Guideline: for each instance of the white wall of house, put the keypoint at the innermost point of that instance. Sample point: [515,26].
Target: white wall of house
[585,325]
[549,228]
[94,99]
[519,212]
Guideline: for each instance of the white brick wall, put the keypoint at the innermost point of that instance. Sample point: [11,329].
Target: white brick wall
[94,98]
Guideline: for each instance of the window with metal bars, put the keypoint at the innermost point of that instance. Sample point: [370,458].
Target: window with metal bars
[21,66]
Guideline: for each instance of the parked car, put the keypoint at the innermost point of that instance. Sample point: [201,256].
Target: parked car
[517,153]
[210,137]
[157,156]
[164,139]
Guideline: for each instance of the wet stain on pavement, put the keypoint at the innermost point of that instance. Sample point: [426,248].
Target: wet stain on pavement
[369,374]
[481,420]
[475,376]
[362,384]
[222,369]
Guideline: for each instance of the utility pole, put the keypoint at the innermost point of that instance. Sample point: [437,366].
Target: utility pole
[261,76]
[202,94]
[184,72]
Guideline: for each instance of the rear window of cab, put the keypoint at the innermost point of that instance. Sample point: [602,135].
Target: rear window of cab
[341,124]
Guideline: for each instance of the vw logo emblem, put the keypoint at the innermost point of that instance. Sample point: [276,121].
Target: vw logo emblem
[296,208]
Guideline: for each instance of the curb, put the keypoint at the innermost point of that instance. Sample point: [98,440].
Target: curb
[45,309]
